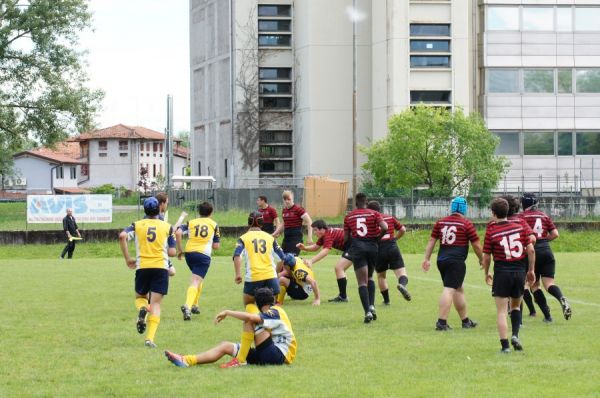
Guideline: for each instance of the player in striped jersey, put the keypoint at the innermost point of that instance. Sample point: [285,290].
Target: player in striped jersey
[270,327]
[514,259]
[155,243]
[270,217]
[545,265]
[291,227]
[389,256]
[454,233]
[365,227]
[204,236]
[329,238]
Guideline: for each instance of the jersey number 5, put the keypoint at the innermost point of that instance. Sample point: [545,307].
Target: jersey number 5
[151,234]
[260,246]
[512,246]
[361,226]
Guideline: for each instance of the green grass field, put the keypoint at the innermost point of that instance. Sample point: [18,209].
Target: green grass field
[68,329]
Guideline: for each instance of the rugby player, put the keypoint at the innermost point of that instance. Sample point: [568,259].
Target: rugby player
[291,227]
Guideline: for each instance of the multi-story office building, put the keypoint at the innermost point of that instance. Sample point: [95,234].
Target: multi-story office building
[528,66]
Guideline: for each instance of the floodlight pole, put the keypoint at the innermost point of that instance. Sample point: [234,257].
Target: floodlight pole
[354,111]
[169,143]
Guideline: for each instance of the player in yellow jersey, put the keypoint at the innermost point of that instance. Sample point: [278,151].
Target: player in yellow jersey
[274,340]
[297,280]
[155,243]
[204,236]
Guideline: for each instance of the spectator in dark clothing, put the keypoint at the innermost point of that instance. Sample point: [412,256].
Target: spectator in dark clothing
[72,231]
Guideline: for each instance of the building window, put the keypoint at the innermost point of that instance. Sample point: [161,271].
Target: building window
[275,73]
[275,166]
[274,40]
[275,151]
[538,18]
[275,103]
[59,173]
[586,18]
[430,61]
[155,147]
[441,46]
[588,80]
[564,19]
[276,136]
[123,154]
[538,143]
[199,168]
[123,145]
[509,144]
[538,81]
[102,154]
[588,143]
[83,150]
[503,81]
[429,29]
[275,88]
[277,25]
[565,144]
[503,18]
[225,168]
[274,10]
[429,97]
[147,147]
[73,173]
[85,170]
[154,170]
[565,81]
[102,145]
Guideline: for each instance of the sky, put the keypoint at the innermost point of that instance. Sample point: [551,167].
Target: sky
[138,53]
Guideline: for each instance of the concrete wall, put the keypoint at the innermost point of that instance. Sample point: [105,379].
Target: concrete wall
[38,174]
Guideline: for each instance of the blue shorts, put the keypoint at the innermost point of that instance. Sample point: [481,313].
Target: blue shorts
[273,284]
[198,263]
[154,280]
[295,291]
[266,353]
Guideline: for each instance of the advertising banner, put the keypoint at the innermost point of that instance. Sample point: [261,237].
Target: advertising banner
[53,208]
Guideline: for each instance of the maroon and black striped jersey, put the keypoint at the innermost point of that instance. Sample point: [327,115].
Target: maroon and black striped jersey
[269,214]
[334,237]
[393,225]
[506,241]
[292,217]
[540,223]
[363,223]
[454,233]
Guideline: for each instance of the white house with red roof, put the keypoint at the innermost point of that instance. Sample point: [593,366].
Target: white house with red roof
[113,155]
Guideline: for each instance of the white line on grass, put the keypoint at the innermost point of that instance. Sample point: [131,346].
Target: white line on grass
[488,288]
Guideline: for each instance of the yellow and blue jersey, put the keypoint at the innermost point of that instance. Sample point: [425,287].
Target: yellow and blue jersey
[261,253]
[202,232]
[300,273]
[153,238]
[276,321]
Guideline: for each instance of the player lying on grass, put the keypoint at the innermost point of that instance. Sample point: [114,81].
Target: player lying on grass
[274,340]
[297,279]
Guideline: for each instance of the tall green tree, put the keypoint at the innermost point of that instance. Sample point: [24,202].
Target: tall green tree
[449,152]
[43,93]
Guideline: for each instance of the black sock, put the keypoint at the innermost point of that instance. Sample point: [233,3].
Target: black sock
[540,299]
[363,292]
[504,343]
[528,301]
[403,280]
[386,295]
[515,321]
[442,321]
[555,291]
[342,283]
[466,320]
[371,288]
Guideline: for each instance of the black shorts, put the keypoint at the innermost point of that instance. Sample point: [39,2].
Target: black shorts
[453,272]
[273,284]
[296,292]
[154,280]
[388,257]
[364,253]
[291,237]
[509,284]
[266,353]
[198,263]
[346,250]
[545,264]
[268,228]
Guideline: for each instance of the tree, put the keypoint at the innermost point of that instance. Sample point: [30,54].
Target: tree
[450,152]
[143,182]
[43,94]
[184,136]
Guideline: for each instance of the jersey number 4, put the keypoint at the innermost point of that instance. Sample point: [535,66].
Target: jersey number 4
[537,227]
[512,246]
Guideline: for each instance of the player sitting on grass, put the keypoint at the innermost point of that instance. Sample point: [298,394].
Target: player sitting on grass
[274,340]
[298,280]
[154,242]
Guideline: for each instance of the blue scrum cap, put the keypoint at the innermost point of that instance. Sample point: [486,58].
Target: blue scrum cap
[151,206]
[459,205]
[289,260]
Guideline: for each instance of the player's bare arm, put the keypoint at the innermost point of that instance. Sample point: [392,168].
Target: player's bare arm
[428,250]
[242,316]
